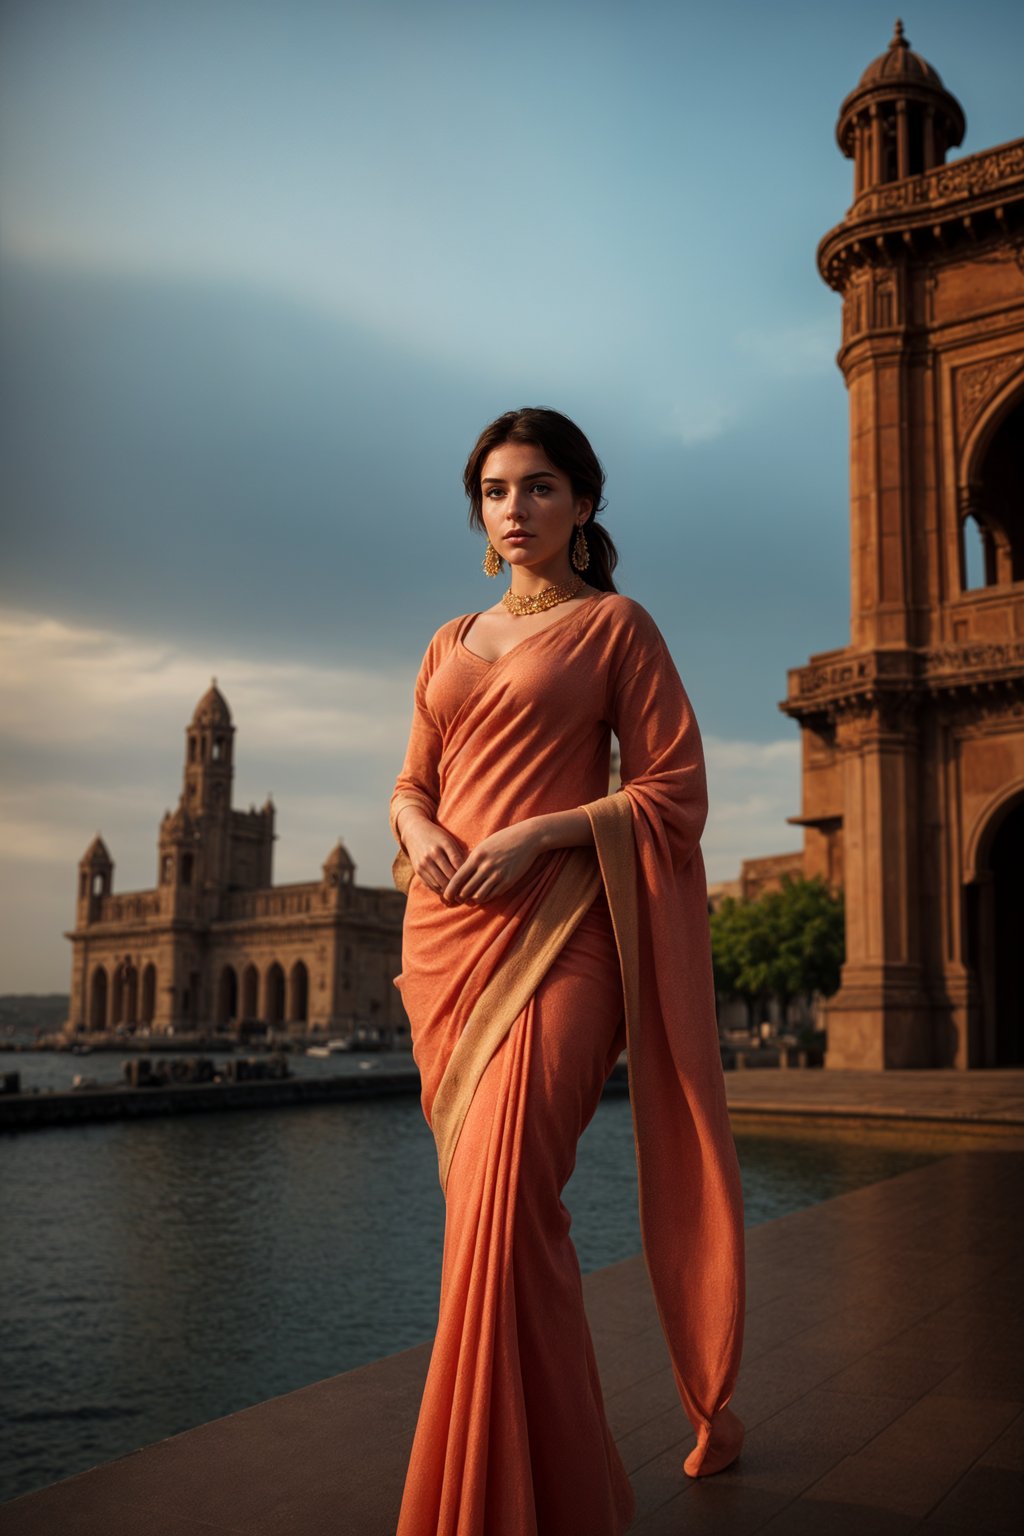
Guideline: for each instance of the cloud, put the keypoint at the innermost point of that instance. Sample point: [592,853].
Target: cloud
[69,685]
[752,787]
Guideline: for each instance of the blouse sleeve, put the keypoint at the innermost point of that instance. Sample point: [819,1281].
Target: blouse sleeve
[418,783]
[662,755]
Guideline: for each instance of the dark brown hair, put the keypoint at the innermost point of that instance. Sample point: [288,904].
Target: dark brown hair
[568,450]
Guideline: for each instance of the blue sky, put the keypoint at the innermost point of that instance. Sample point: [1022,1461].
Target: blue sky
[266,269]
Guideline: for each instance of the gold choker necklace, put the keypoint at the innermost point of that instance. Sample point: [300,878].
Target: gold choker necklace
[542,600]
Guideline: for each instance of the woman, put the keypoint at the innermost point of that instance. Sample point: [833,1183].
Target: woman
[550,924]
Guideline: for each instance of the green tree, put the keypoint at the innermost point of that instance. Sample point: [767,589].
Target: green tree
[737,953]
[789,941]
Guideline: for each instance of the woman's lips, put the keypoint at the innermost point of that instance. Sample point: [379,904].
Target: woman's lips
[517,538]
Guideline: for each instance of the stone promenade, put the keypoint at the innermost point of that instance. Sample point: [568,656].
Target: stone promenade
[993,1098]
[882,1382]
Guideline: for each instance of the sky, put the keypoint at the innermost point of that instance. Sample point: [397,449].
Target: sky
[266,270]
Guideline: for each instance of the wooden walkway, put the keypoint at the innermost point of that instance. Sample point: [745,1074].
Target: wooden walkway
[882,1388]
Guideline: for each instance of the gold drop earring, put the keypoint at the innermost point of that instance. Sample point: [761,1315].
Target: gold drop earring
[580,550]
[491,561]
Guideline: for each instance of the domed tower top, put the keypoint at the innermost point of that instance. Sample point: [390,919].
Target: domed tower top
[212,709]
[339,866]
[899,120]
[899,62]
[96,856]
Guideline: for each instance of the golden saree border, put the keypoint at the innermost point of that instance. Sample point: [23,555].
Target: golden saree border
[506,994]
[612,820]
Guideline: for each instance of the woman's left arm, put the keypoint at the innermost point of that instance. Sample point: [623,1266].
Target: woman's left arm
[496,863]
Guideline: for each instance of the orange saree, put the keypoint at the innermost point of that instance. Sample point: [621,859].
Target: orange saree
[519,1008]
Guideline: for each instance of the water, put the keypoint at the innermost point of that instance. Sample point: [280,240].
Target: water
[158,1274]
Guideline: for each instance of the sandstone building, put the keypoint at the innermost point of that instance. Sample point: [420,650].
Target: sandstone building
[913,734]
[216,943]
[758,875]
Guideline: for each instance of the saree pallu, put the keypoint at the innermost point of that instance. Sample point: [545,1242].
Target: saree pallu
[519,1008]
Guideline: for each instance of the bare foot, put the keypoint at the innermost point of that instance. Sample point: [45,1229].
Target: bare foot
[718,1449]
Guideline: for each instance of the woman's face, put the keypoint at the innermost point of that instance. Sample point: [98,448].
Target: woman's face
[528,505]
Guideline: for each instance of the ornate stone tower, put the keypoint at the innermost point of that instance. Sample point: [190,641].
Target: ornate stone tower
[913,735]
[206,791]
[95,880]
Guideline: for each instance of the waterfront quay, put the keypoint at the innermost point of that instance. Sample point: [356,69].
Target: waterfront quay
[882,1383]
[75,1106]
[881,1390]
[26,1111]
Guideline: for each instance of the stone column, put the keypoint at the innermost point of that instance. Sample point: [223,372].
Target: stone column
[880,1017]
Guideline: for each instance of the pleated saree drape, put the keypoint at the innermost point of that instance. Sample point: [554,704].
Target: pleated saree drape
[519,1008]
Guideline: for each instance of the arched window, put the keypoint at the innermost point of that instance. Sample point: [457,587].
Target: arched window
[996,507]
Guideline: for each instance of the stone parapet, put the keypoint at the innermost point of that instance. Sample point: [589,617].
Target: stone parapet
[840,678]
[939,206]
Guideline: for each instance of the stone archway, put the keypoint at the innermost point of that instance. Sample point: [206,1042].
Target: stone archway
[994,925]
[116,998]
[148,1010]
[131,994]
[992,525]
[298,994]
[274,995]
[98,999]
[227,996]
[250,993]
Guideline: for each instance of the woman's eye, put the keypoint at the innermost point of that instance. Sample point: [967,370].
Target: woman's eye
[542,486]
[494,492]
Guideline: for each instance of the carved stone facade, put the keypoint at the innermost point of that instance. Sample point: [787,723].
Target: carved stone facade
[913,735]
[216,943]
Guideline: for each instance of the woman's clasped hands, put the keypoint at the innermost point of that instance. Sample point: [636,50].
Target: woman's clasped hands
[459,874]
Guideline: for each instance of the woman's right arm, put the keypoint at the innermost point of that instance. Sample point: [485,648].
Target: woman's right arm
[433,852]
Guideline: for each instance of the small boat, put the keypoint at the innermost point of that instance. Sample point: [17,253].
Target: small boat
[317,1050]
